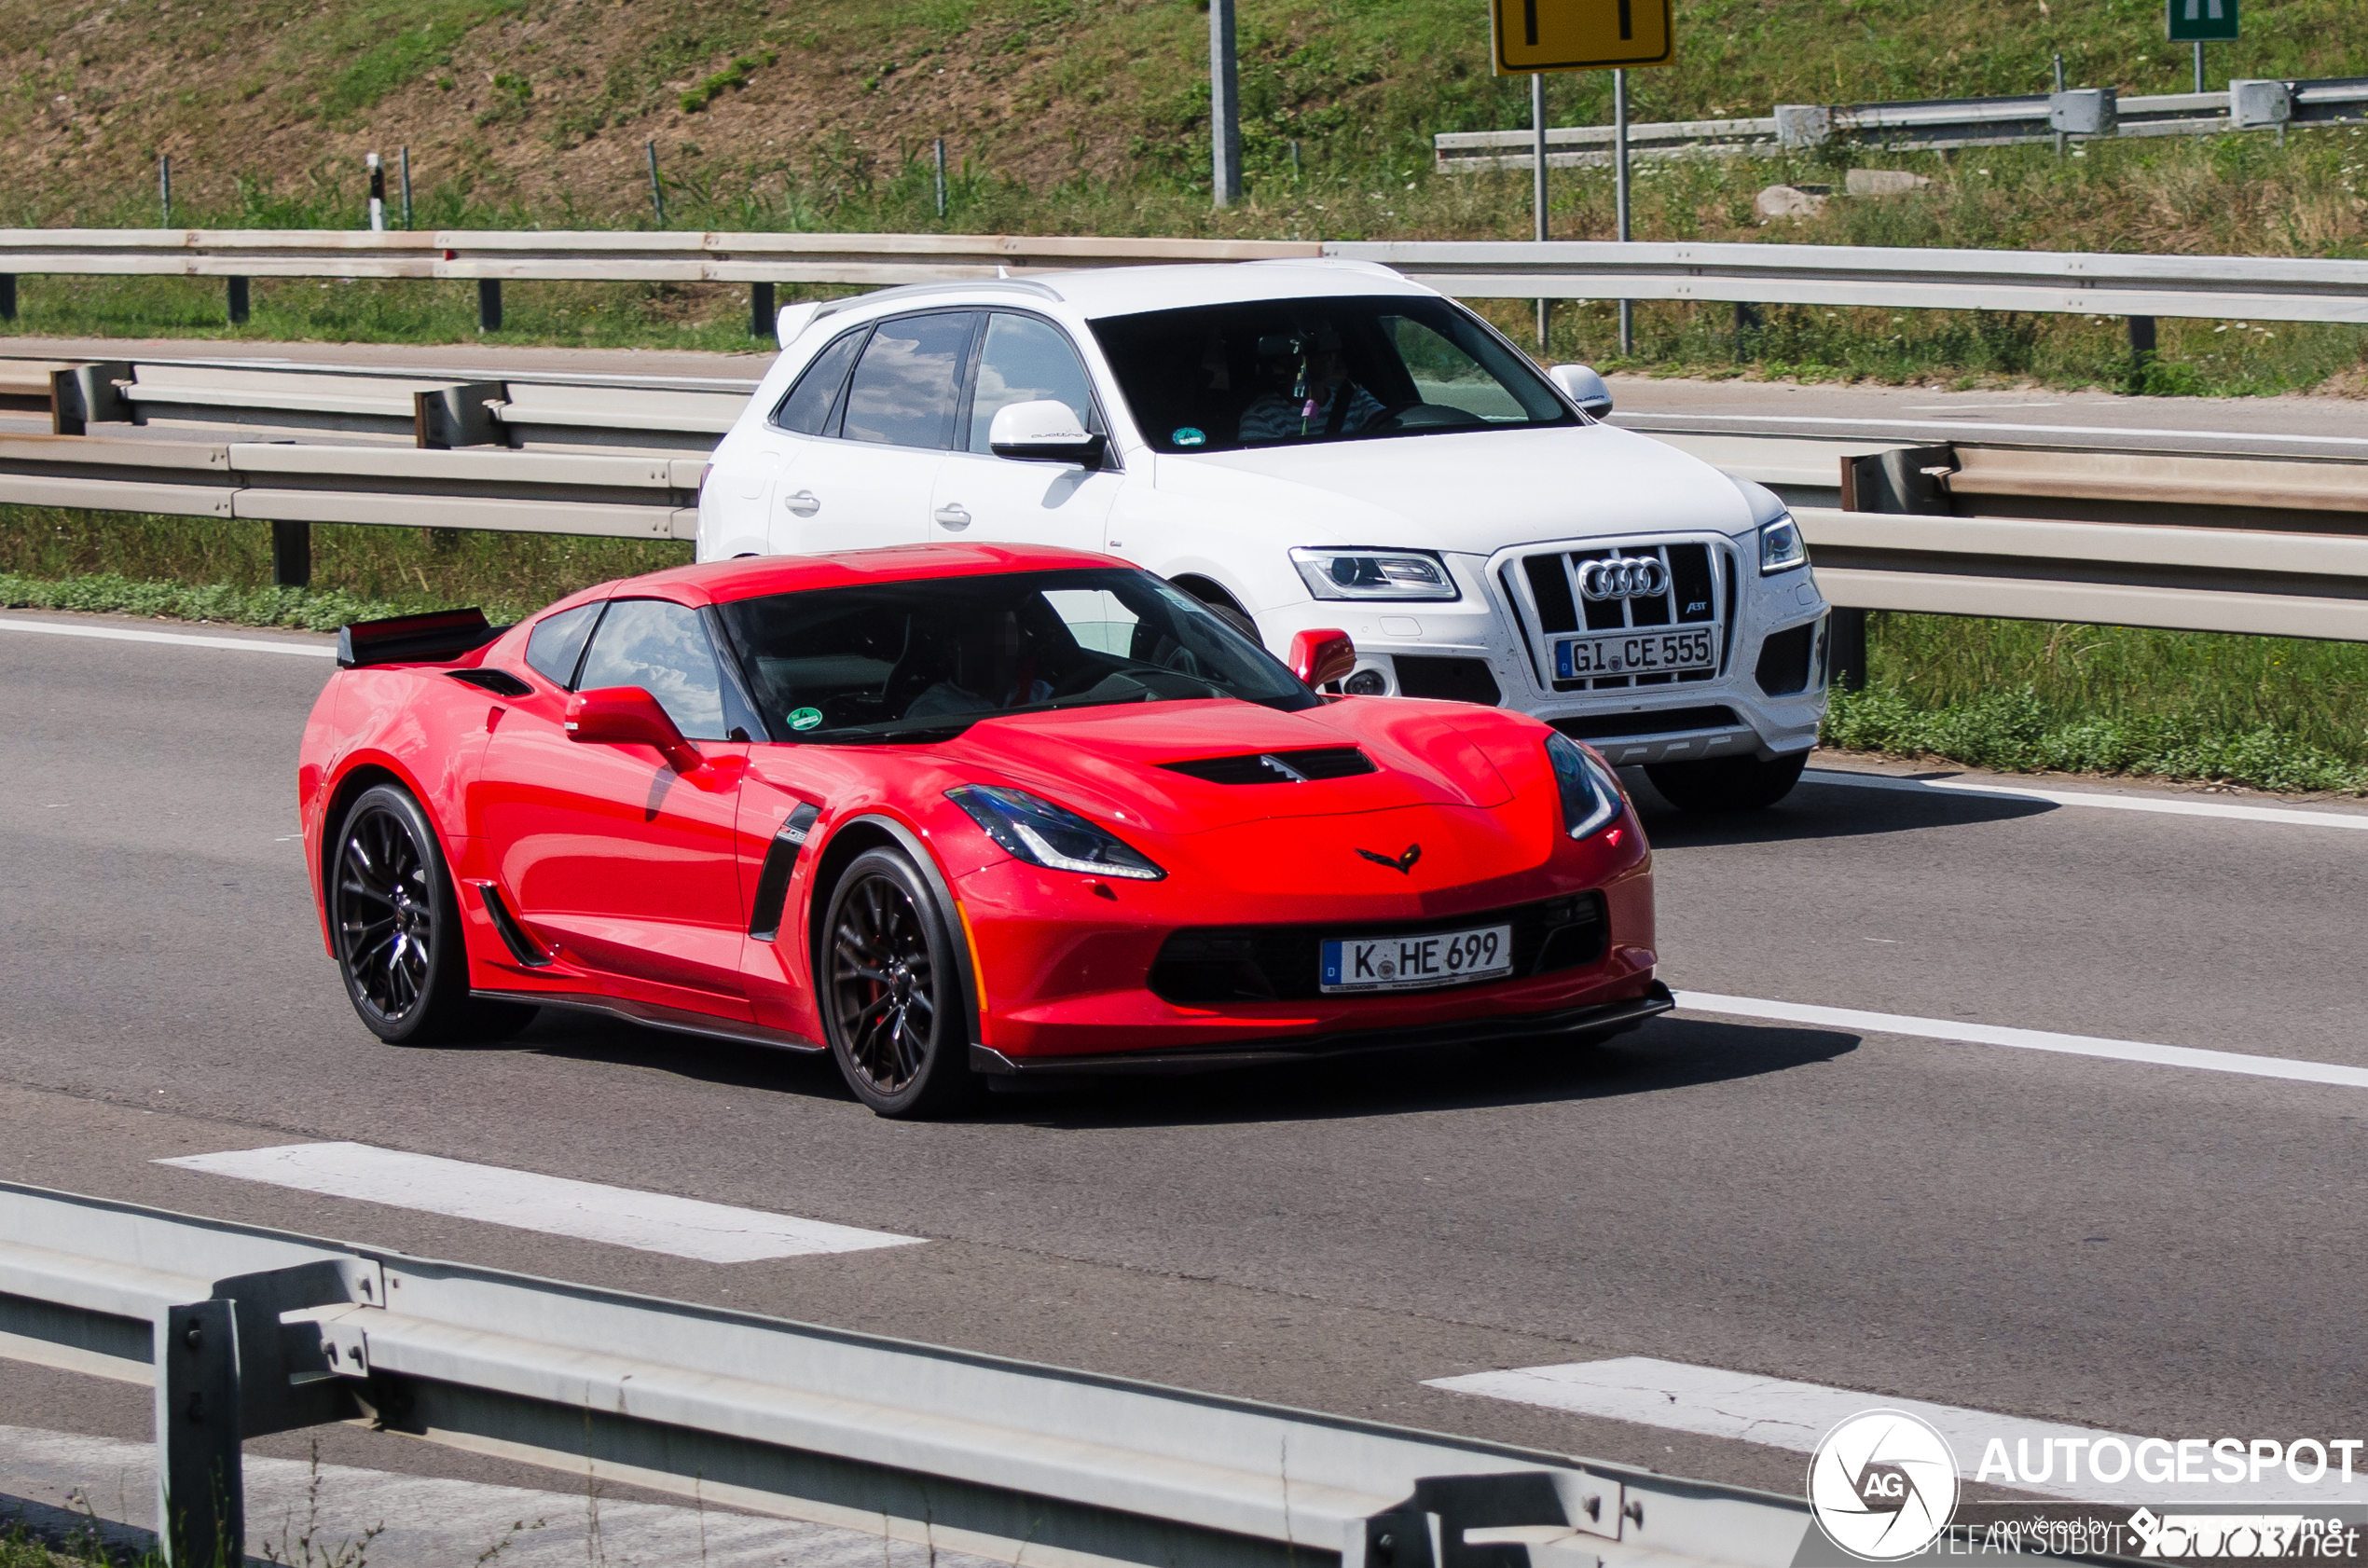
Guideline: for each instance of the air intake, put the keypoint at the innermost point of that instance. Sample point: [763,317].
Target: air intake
[1279,767]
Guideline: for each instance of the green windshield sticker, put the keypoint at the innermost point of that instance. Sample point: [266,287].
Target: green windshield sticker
[806,718]
[1188,436]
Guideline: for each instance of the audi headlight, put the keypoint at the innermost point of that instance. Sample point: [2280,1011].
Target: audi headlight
[1034,830]
[1781,546]
[1590,795]
[1374,575]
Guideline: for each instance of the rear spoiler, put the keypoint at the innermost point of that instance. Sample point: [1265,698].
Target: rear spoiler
[409,640]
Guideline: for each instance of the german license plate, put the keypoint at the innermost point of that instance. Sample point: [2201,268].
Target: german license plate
[1656,650]
[1417,963]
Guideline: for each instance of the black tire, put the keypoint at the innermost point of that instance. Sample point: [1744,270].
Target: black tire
[396,919]
[892,1001]
[1723,785]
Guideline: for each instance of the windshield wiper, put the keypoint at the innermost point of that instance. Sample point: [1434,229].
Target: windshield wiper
[893,738]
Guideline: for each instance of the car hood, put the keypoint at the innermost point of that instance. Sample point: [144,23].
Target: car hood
[1474,492]
[1106,763]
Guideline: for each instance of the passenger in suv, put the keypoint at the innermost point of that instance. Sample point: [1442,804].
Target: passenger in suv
[1304,444]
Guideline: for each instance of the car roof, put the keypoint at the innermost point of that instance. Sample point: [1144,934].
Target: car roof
[757,576]
[1126,291]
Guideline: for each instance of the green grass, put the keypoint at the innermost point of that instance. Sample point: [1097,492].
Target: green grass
[201,569]
[2271,713]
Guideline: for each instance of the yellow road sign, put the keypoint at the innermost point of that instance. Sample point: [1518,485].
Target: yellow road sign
[1580,35]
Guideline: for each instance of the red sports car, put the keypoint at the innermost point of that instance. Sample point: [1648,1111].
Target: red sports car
[957,816]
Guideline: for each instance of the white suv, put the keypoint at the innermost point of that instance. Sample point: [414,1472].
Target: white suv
[1308,445]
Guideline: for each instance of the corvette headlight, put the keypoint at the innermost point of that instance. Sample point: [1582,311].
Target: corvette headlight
[1590,795]
[1781,546]
[1374,575]
[1034,830]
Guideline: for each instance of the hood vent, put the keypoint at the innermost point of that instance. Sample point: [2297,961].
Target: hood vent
[1279,767]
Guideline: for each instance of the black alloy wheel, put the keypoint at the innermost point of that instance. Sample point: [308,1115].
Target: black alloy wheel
[397,926]
[891,1000]
[1717,786]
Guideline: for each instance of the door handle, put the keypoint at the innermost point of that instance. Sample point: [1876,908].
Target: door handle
[803,504]
[953,517]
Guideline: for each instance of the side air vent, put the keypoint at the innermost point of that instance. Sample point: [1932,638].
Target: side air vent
[501,683]
[524,948]
[1279,767]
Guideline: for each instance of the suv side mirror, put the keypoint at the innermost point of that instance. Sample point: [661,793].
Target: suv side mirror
[628,716]
[1582,386]
[1321,657]
[1045,431]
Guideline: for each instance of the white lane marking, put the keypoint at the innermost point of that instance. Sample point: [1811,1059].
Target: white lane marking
[1713,1402]
[586,1210]
[2287,815]
[428,1521]
[2028,1040]
[1950,424]
[178,640]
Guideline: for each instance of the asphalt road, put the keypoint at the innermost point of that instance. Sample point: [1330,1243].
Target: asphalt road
[2124,1244]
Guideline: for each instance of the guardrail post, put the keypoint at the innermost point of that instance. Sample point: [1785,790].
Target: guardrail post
[238,301]
[1906,479]
[489,303]
[1747,320]
[2141,351]
[292,554]
[759,309]
[200,1492]
[7,296]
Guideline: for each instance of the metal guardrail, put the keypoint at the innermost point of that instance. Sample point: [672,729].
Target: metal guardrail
[2079,282]
[244,1332]
[1928,125]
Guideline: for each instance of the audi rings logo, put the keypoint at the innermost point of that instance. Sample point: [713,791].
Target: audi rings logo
[1882,1485]
[1624,577]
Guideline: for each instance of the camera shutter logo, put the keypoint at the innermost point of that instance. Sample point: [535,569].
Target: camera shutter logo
[1624,577]
[1882,1485]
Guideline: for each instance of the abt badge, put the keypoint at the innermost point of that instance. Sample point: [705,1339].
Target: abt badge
[1882,1485]
[1404,863]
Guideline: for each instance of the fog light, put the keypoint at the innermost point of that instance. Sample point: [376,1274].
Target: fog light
[1365,683]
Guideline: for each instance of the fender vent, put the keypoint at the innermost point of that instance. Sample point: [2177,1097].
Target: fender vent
[524,948]
[501,683]
[1279,767]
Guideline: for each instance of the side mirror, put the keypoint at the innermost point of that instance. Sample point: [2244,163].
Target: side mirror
[1321,657]
[1582,386]
[628,716]
[1045,431]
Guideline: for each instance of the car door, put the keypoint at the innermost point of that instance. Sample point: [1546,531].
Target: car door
[621,862]
[1023,358]
[861,434]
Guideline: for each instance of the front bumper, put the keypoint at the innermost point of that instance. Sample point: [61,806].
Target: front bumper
[1494,646]
[1598,1021]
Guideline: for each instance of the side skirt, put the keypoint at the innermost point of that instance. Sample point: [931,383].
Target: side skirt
[676,1019]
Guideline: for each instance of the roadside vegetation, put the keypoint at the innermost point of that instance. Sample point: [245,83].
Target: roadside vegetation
[1068,118]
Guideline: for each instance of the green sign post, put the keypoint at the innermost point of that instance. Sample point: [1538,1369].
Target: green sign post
[2201,21]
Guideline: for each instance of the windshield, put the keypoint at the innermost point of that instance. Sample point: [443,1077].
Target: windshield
[1292,371]
[926,659]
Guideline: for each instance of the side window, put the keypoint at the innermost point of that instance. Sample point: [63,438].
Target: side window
[556,642]
[815,398]
[663,649]
[1026,360]
[1096,618]
[905,385]
[1445,376]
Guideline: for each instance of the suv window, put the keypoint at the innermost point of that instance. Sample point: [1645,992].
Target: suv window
[1025,361]
[556,642]
[665,650]
[815,399]
[1345,368]
[907,383]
